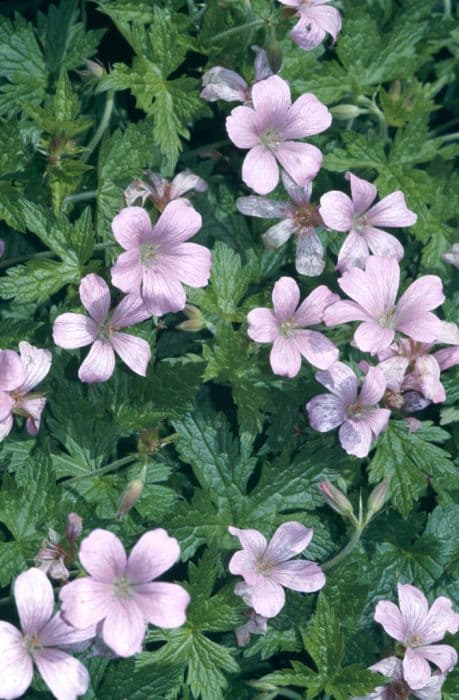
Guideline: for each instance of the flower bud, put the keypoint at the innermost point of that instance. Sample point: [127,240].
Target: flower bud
[336,499]
[94,71]
[132,494]
[195,320]
[378,497]
[346,112]
[74,527]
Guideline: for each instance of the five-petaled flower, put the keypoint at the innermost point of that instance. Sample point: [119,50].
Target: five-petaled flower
[374,292]
[418,628]
[158,260]
[120,591]
[161,191]
[101,330]
[316,20]
[19,374]
[41,642]
[341,213]
[267,569]
[269,130]
[357,413]
[220,83]
[398,688]
[286,326]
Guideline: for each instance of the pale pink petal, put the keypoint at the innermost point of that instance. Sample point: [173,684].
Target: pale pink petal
[222,84]
[262,65]
[389,616]
[99,363]
[178,222]
[124,627]
[425,294]
[86,601]
[449,333]
[127,272]
[427,374]
[285,358]
[154,553]
[243,563]
[259,170]
[103,556]
[442,655]
[371,337]
[290,538]
[12,373]
[132,227]
[57,633]
[391,211]
[309,253]
[251,540]
[134,351]
[440,619]
[383,244]
[299,194]
[162,293]
[304,576]
[271,95]
[363,193]
[263,325]
[327,18]
[353,253]
[278,234]
[422,326]
[394,369]
[316,348]
[311,310]
[377,419]
[301,161]
[34,599]
[36,363]
[337,210]
[344,311]
[7,404]
[74,330]
[432,689]
[190,262]
[390,667]
[130,310]
[376,288]
[341,381]
[325,412]
[307,116]
[373,387]
[242,127]
[285,296]
[307,33]
[447,357]
[356,437]
[34,408]
[162,604]
[65,676]
[6,426]
[16,667]
[95,297]
[268,597]
[416,669]
[263,208]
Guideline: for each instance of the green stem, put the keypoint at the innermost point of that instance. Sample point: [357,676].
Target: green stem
[104,470]
[47,254]
[235,30]
[80,196]
[351,545]
[103,124]
[450,137]
[447,8]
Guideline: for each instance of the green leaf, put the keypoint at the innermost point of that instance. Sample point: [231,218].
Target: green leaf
[37,280]
[140,679]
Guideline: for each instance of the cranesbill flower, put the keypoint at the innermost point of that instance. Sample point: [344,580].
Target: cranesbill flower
[363,222]
[101,331]
[158,261]
[19,374]
[40,642]
[418,628]
[398,689]
[220,83]
[357,413]
[161,191]
[298,217]
[267,569]
[286,326]
[119,590]
[316,20]
[256,624]
[374,291]
[269,130]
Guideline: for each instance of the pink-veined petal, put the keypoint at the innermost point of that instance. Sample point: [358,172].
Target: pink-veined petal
[389,616]
[278,234]
[7,404]
[341,381]
[243,564]
[371,337]
[441,618]
[124,627]
[447,357]
[268,597]
[432,689]
[416,669]
[95,297]
[127,272]
[242,127]
[344,311]
[427,374]
[375,290]
[424,294]
[353,253]
[154,553]
[103,555]
[307,33]
[337,210]
[390,667]
[363,193]
[302,161]
[65,676]
[74,331]
[311,310]
[6,426]
[162,292]
[132,227]
[12,373]
[191,263]
[162,604]
[36,363]
[260,170]
[290,539]
[442,655]
[328,18]
[383,244]
[34,599]
[59,633]
[271,95]
[391,211]
[85,601]
[373,388]
[134,351]
[422,326]
[16,667]
[99,363]
[251,540]
[307,116]
[285,296]
[285,358]
[178,222]
[298,575]
[316,348]
[263,208]
[356,437]
[309,253]
[377,419]
[130,310]
[263,325]
[325,412]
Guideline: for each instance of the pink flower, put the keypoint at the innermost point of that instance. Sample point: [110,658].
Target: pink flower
[286,328]
[223,84]
[374,292]
[266,568]
[315,22]
[417,628]
[19,374]
[360,419]
[53,556]
[39,643]
[391,667]
[101,331]
[119,590]
[298,217]
[268,130]
[256,624]
[157,261]
[341,213]
[160,191]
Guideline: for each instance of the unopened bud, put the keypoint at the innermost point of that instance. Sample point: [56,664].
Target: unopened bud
[93,71]
[346,112]
[195,320]
[274,52]
[378,497]
[336,499]
[132,494]
[74,527]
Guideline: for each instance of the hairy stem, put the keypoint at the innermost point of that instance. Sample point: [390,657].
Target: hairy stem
[351,545]
[80,196]
[103,124]
[104,470]
[235,30]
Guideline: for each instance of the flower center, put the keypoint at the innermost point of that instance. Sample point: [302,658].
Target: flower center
[307,215]
[264,566]
[361,224]
[288,328]
[414,641]
[32,643]
[148,252]
[122,587]
[270,138]
[388,318]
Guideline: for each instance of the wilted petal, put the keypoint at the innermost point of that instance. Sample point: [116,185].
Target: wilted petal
[285,296]
[222,84]
[307,116]
[268,597]
[391,211]
[302,161]
[285,357]
[432,689]
[263,208]
[390,667]
[33,408]
[298,575]
[65,676]
[12,373]
[278,234]
[102,555]
[34,598]
[99,363]
[389,616]
[316,348]
[309,253]
[132,227]
[337,210]
[124,627]
[262,66]
[162,604]
[36,363]
[259,170]
[263,325]
[356,437]
[16,667]
[162,293]
[153,554]
[427,374]
[447,357]
[135,352]
[325,412]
